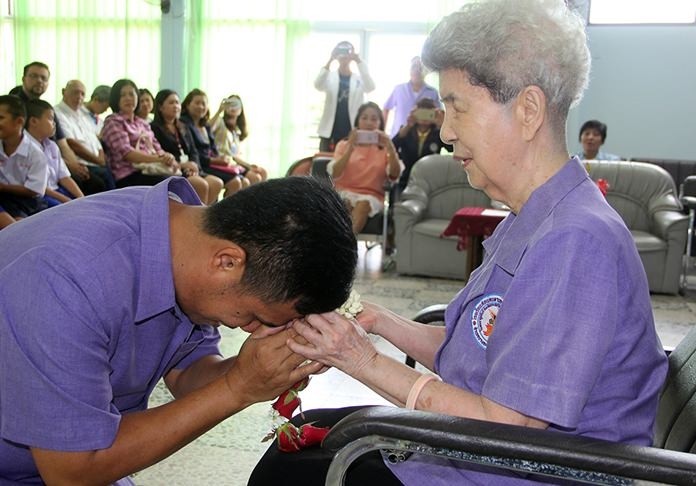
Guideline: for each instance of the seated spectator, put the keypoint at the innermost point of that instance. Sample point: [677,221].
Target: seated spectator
[419,136]
[175,137]
[97,104]
[129,140]
[23,168]
[146,103]
[40,125]
[230,131]
[361,167]
[34,84]
[593,134]
[80,133]
[404,97]
[195,113]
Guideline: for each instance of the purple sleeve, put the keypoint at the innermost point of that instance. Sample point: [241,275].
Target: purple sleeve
[55,372]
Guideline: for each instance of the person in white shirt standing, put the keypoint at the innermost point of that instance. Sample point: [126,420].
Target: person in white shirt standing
[80,133]
[345,93]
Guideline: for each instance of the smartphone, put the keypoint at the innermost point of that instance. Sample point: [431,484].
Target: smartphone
[367,137]
[424,114]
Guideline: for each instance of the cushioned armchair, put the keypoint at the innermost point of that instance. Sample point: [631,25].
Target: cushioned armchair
[646,198]
[437,188]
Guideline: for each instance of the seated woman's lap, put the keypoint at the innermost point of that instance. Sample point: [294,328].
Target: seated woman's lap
[309,466]
[140,179]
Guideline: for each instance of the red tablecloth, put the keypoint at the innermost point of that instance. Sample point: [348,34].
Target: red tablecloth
[473,221]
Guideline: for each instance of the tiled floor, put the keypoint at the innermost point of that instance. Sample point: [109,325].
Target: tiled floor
[227,454]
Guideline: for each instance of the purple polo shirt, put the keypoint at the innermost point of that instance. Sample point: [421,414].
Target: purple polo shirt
[556,324]
[403,99]
[88,321]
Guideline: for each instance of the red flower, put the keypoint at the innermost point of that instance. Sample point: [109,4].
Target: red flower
[311,435]
[288,438]
[289,400]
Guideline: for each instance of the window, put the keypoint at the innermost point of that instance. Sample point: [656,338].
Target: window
[642,12]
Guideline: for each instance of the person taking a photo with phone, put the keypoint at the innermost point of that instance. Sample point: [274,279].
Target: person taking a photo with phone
[405,96]
[362,163]
[420,136]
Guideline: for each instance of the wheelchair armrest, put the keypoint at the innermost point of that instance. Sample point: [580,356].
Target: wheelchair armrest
[432,313]
[445,435]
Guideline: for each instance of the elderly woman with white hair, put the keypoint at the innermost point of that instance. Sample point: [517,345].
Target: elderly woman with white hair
[554,329]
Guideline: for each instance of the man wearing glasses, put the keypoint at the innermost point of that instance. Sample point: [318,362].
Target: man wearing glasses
[34,84]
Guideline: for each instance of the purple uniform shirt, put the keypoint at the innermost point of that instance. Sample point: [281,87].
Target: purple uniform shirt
[88,321]
[403,99]
[556,324]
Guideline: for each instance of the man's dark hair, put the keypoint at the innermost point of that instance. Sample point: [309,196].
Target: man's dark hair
[35,109]
[37,64]
[115,95]
[594,125]
[298,239]
[14,105]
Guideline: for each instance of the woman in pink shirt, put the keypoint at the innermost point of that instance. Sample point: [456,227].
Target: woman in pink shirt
[129,140]
[362,163]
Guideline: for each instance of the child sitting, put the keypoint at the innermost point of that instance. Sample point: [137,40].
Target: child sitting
[40,124]
[362,163]
[23,168]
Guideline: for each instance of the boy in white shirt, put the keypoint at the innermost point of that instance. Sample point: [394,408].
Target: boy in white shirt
[23,167]
[40,125]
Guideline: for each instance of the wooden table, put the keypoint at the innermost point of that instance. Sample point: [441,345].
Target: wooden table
[472,225]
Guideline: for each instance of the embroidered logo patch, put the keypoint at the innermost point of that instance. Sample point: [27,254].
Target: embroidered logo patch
[483,318]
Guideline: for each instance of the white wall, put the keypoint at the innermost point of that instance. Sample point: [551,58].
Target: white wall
[643,86]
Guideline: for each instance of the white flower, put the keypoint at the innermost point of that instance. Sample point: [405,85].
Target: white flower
[351,307]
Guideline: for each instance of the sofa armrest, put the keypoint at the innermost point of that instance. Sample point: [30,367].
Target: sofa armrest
[670,224]
[502,445]
[411,209]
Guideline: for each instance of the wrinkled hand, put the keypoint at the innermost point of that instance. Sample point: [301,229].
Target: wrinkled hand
[265,367]
[370,315]
[335,341]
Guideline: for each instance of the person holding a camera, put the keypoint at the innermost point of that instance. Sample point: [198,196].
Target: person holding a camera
[362,163]
[420,136]
[345,92]
[405,96]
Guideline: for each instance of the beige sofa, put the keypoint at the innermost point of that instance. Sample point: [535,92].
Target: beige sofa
[437,188]
[643,194]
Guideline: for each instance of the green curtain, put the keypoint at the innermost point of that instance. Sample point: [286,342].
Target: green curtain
[252,49]
[97,42]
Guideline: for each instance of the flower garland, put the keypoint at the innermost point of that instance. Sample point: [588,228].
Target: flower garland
[291,438]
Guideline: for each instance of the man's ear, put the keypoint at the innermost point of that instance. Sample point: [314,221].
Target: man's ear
[531,111]
[230,260]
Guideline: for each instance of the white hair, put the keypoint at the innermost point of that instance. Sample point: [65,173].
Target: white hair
[506,45]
